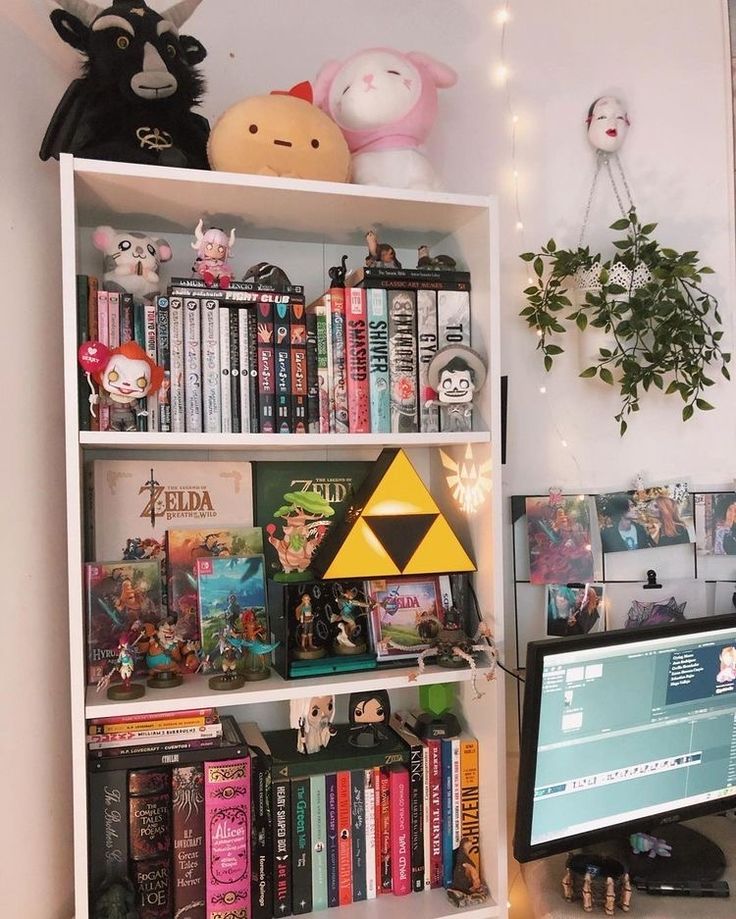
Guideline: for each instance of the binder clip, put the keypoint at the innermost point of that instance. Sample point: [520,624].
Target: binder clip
[651,583]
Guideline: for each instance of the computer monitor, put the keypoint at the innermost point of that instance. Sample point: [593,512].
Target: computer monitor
[623,731]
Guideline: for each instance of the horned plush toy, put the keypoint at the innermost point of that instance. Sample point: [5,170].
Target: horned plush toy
[134,99]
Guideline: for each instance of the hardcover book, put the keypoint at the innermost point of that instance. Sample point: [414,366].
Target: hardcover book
[416,799]
[261,834]
[183,547]
[149,834]
[403,361]
[332,869]
[344,841]
[405,616]
[227,839]
[297,503]
[400,832]
[281,809]
[118,594]
[108,830]
[187,832]
[358,833]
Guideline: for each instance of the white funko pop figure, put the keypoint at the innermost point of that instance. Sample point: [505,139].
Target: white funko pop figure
[456,373]
[312,719]
[608,124]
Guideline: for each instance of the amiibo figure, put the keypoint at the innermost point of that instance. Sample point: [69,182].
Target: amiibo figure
[306,620]
[257,651]
[348,632]
[124,666]
[213,248]
[229,650]
[368,713]
[168,655]
[312,719]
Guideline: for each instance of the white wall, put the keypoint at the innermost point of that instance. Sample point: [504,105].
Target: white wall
[666,56]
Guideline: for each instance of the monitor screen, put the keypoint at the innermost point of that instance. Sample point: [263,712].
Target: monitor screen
[625,730]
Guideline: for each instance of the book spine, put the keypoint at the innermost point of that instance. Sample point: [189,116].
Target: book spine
[339,370]
[266,370]
[358,833]
[416,813]
[453,327]
[426,819]
[323,370]
[261,837]
[227,839]
[82,388]
[151,349]
[312,373]
[187,831]
[253,365]
[126,318]
[145,723]
[299,366]
[176,349]
[163,359]
[400,831]
[402,361]
[168,750]
[211,403]
[193,365]
[427,348]
[281,847]
[245,378]
[225,397]
[138,738]
[435,813]
[369,810]
[103,335]
[108,828]
[301,837]
[236,414]
[378,828]
[92,335]
[331,795]
[344,841]
[447,827]
[377,313]
[318,817]
[282,367]
[139,324]
[386,877]
[113,319]
[356,361]
[456,794]
[469,799]
[149,829]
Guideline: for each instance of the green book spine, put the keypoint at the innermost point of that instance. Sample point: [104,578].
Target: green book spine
[318,820]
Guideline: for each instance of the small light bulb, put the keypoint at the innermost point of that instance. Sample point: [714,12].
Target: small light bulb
[502,73]
[564,443]
[516,173]
[502,17]
[530,280]
[519,225]
[515,119]
[543,389]
[539,333]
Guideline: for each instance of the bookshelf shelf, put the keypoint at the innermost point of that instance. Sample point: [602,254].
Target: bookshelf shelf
[309,224]
[195,692]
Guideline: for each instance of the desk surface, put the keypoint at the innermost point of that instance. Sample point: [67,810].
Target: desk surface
[543,880]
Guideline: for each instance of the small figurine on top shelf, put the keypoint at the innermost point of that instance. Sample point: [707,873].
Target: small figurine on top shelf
[369,713]
[456,373]
[349,634]
[382,255]
[213,248]
[435,262]
[125,666]
[312,719]
[267,275]
[125,376]
[132,260]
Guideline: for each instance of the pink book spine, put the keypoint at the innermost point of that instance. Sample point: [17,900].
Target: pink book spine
[113,319]
[356,358]
[103,335]
[400,832]
[435,813]
[227,839]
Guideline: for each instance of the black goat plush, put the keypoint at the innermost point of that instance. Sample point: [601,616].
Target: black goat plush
[133,102]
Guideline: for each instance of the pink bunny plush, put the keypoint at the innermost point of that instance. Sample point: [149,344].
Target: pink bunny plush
[385,103]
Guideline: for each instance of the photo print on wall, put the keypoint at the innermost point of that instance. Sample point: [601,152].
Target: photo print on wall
[650,518]
[633,606]
[575,609]
[560,550]
[715,517]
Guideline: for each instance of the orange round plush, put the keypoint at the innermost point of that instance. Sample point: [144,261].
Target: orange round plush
[282,134]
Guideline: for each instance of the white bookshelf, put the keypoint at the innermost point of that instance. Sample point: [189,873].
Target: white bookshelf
[314,222]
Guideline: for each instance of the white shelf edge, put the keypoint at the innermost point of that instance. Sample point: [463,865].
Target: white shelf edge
[86,167]
[112,440]
[194,692]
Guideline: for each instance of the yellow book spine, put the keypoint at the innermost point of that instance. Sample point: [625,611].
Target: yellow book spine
[155,724]
[470,799]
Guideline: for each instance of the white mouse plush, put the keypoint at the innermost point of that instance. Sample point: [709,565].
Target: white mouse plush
[385,103]
[131,260]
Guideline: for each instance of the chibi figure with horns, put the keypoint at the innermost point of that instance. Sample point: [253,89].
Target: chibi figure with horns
[213,248]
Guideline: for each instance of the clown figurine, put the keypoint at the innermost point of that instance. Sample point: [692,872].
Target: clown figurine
[455,373]
[124,376]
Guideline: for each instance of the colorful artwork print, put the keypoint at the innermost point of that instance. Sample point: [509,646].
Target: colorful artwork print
[183,548]
[715,515]
[119,595]
[232,595]
[658,612]
[650,518]
[575,610]
[560,551]
[406,615]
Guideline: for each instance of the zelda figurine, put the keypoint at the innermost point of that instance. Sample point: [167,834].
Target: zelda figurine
[306,621]
[456,373]
[229,650]
[163,656]
[256,649]
[312,719]
[368,713]
[348,633]
[125,666]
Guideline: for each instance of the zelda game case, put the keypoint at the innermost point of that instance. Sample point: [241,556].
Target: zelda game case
[297,503]
[118,594]
[406,615]
[230,590]
[183,547]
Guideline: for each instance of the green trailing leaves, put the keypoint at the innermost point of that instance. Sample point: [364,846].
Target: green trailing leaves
[661,331]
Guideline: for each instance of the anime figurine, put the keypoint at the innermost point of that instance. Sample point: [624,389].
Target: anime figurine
[306,622]
[368,713]
[124,376]
[382,255]
[214,248]
[256,649]
[467,888]
[348,632]
[229,650]
[312,719]
[125,666]
[456,373]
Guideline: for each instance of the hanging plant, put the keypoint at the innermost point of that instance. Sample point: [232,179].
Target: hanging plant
[651,303]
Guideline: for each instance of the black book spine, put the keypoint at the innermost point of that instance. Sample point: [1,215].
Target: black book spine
[261,838]
[108,830]
[234,371]
[331,797]
[282,365]
[357,814]
[255,424]
[301,836]
[416,816]
[82,336]
[281,847]
[312,381]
